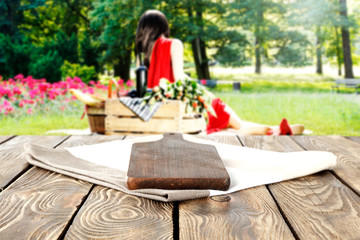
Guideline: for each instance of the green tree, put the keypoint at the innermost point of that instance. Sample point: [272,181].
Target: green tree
[346,40]
[11,15]
[231,50]
[47,66]
[41,22]
[333,47]
[15,55]
[204,24]
[258,16]
[15,48]
[70,18]
[117,24]
[321,16]
[291,45]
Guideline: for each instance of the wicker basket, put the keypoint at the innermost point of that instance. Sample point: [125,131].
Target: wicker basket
[96,117]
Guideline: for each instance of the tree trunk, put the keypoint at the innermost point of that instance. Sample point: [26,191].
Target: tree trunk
[197,57]
[259,38]
[201,62]
[257,55]
[200,51]
[338,51]
[346,43]
[205,60]
[122,68]
[318,51]
[198,47]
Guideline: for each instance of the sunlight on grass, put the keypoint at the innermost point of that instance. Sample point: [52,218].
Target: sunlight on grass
[280,77]
[39,124]
[263,86]
[324,114]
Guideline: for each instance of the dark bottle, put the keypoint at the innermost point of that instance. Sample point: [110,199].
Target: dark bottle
[141,77]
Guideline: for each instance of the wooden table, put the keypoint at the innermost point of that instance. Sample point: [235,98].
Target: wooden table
[39,204]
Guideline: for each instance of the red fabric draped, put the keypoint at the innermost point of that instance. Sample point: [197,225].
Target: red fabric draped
[215,124]
[160,63]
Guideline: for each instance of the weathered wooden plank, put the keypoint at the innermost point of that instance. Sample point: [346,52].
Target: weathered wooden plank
[156,125]
[40,204]
[248,214]
[111,214]
[11,162]
[317,206]
[320,207]
[74,141]
[347,152]
[355,139]
[192,125]
[169,109]
[4,138]
[48,141]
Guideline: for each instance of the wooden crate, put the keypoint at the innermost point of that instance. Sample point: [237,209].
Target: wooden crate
[96,118]
[170,117]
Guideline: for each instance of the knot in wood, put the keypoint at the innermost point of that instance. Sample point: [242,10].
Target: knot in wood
[223,198]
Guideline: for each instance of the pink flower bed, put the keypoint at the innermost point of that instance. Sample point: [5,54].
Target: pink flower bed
[25,95]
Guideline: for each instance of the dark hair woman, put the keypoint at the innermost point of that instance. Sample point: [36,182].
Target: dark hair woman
[152,25]
[164,54]
[164,59]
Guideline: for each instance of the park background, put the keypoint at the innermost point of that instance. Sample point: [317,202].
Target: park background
[286,54]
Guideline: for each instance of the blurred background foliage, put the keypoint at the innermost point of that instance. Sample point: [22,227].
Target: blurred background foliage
[53,39]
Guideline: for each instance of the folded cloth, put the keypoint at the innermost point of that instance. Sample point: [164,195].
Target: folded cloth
[139,108]
[106,164]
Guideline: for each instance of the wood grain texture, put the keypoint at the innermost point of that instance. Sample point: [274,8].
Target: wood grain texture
[48,141]
[320,207]
[4,138]
[74,141]
[174,163]
[355,139]
[96,123]
[11,162]
[250,214]
[111,214]
[192,125]
[40,204]
[347,152]
[154,125]
[317,206]
[170,109]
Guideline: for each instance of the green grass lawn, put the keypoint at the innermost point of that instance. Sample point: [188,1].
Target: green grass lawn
[264,83]
[265,99]
[324,114]
[39,124]
[274,77]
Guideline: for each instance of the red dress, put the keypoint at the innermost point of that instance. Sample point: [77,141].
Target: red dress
[215,124]
[160,67]
[160,63]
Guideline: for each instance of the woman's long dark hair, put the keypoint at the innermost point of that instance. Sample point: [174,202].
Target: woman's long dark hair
[151,26]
